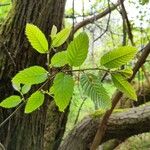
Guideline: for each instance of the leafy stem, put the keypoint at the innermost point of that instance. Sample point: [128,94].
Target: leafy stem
[89,69]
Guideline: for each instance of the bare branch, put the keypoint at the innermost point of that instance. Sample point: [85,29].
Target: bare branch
[121,125]
[125,17]
[95,17]
[107,26]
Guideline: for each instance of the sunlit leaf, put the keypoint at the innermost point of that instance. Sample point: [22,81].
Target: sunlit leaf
[34,102]
[31,75]
[36,38]
[63,90]
[11,101]
[59,59]
[53,31]
[61,37]
[118,57]
[25,89]
[78,49]
[124,86]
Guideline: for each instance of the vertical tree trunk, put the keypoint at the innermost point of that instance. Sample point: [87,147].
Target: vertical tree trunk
[26,132]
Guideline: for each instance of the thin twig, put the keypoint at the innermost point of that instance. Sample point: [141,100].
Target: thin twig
[104,76]
[73,20]
[11,115]
[79,110]
[97,25]
[107,26]
[125,16]
[124,31]
[11,58]
[86,69]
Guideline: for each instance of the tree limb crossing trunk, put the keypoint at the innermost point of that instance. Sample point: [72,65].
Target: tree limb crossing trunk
[120,125]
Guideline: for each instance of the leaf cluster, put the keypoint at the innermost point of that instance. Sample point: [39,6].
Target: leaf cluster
[63,84]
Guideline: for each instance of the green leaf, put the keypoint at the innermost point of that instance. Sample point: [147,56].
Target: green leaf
[36,38]
[143,2]
[59,59]
[124,86]
[118,57]
[53,31]
[93,88]
[126,72]
[21,88]
[63,90]
[11,101]
[78,49]
[30,76]
[16,86]
[61,37]
[34,102]
[25,89]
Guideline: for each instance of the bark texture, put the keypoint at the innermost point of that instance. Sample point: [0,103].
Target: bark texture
[26,132]
[120,125]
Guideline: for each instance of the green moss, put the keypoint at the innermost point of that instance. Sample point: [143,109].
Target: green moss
[100,112]
[97,113]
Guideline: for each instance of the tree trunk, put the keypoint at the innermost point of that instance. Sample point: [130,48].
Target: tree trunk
[120,126]
[26,132]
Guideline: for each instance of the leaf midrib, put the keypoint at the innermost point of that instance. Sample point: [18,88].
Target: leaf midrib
[117,58]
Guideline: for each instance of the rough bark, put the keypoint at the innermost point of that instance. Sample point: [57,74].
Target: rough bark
[27,131]
[120,125]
